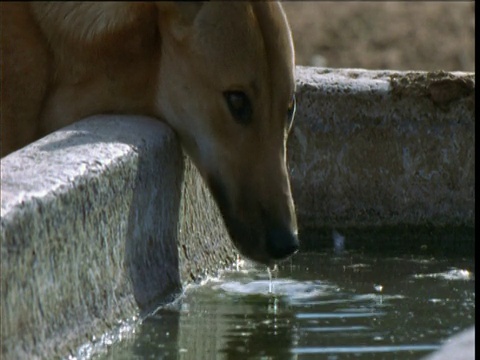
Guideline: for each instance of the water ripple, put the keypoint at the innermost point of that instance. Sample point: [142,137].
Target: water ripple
[362,349]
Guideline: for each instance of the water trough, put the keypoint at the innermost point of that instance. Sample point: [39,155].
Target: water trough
[106,217]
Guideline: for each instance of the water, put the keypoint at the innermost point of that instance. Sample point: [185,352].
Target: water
[318,306]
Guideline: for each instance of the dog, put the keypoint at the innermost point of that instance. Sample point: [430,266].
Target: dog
[221,74]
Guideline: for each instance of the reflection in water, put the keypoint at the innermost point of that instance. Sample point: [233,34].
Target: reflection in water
[322,306]
[158,335]
[256,338]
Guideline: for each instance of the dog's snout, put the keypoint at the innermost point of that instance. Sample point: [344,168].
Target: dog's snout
[281,242]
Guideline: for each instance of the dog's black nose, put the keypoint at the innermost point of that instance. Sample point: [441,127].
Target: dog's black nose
[281,243]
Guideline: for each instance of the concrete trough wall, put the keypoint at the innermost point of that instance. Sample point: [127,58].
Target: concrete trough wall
[97,219]
[377,148]
[106,215]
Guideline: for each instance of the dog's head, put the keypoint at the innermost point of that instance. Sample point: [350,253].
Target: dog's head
[227,88]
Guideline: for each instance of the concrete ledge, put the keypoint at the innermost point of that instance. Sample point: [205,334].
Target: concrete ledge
[459,347]
[376,148]
[84,207]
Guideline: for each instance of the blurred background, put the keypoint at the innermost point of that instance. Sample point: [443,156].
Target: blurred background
[403,35]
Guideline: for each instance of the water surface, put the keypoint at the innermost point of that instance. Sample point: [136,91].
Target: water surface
[322,306]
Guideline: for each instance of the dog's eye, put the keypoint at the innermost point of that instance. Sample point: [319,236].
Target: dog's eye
[239,105]
[292,105]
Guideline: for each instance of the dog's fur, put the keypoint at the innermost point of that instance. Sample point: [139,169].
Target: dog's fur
[63,61]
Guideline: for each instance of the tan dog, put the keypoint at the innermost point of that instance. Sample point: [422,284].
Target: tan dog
[220,74]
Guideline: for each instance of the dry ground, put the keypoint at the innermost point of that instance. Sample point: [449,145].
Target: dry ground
[403,35]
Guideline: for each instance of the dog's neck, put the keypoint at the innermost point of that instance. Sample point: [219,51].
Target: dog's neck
[112,55]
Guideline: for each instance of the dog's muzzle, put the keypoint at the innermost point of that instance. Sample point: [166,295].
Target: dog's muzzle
[281,243]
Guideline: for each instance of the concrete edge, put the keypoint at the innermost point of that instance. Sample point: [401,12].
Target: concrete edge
[460,346]
[109,226]
[376,148]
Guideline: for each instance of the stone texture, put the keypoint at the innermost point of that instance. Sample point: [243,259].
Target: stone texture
[84,207]
[459,347]
[373,148]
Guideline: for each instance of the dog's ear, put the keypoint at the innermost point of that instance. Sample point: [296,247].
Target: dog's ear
[178,17]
